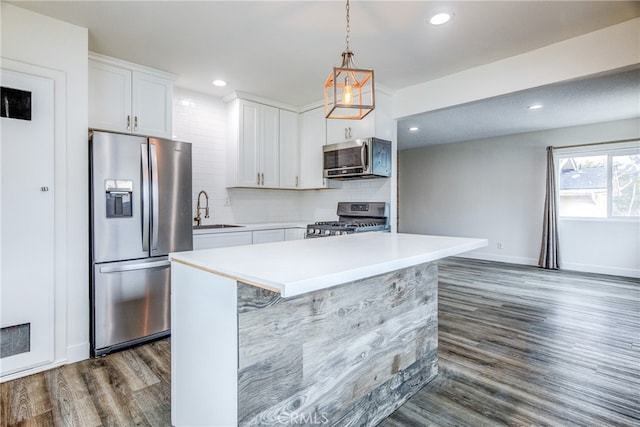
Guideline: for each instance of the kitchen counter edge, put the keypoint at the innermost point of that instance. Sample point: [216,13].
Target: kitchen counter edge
[289,269]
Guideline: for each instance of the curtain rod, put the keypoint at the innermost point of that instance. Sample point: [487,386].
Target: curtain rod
[596,143]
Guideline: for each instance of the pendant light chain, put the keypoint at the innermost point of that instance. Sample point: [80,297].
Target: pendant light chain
[348,87]
[348,27]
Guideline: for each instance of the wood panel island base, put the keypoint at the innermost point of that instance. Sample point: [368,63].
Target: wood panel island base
[335,332]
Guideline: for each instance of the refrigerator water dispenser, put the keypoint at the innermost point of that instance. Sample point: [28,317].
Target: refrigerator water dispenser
[118,198]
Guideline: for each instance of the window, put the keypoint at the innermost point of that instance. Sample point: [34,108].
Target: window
[602,182]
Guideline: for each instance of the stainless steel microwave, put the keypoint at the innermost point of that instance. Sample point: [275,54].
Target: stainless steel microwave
[357,159]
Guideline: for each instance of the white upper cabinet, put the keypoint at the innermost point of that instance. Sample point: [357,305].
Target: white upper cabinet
[152,104]
[274,147]
[128,98]
[289,150]
[254,156]
[313,138]
[339,130]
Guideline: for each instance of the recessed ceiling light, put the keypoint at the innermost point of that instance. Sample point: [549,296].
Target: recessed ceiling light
[413,129]
[219,83]
[441,18]
[535,106]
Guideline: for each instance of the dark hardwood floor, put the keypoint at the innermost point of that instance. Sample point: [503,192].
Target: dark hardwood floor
[519,346]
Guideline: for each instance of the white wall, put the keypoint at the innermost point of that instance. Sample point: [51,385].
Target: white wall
[39,41]
[202,120]
[494,189]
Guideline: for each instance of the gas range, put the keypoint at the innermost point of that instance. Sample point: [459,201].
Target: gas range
[357,217]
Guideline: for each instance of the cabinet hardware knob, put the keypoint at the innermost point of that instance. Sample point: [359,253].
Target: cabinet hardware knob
[258,178]
[44,188]
[135,123]
[128,122]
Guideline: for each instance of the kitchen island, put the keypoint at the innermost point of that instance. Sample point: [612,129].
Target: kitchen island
[330,331]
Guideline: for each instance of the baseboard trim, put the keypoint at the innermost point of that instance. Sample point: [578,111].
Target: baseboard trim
[569,266]
[500,258]
[600,269]
[77,352]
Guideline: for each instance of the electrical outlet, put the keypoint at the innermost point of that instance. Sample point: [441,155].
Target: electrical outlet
[499,245]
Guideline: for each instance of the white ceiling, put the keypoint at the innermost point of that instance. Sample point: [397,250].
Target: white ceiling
[284,50]
[602,98]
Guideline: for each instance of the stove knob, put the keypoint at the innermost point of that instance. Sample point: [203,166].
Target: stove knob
[317,231]
[327,232]
[337,233]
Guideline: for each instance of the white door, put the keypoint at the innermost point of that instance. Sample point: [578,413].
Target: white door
[26,222]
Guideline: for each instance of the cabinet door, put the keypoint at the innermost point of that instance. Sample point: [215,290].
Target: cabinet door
[294,233]
[313,138]
[289,150]
[109,97]
[269,147]
[267,236]
[151,105]
[342,130]
[249,164]
[221,240]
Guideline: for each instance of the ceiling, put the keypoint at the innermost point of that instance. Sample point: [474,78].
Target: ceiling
[284,50]
[602,98]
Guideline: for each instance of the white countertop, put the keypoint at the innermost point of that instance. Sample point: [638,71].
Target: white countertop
[300,266]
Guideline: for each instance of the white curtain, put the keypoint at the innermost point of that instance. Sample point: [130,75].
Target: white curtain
[549,253]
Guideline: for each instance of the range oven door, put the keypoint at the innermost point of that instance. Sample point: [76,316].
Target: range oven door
[131,303]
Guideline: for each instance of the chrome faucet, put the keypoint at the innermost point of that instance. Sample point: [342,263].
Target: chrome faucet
[197,219]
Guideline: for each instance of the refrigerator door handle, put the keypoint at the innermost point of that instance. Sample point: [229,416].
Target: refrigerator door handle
[154,195]
[131,267]
[144,156]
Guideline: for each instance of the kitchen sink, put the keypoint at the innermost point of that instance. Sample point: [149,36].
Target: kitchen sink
[210,226]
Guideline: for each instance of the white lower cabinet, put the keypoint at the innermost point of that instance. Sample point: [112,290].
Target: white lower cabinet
[295,233]
[268,236]
[221,240]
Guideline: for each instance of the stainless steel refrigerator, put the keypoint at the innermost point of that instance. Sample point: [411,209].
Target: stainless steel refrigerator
[140,207]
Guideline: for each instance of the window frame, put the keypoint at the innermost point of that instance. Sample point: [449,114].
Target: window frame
[611,150]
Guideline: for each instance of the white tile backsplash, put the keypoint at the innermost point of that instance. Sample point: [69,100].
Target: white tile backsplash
[202,120]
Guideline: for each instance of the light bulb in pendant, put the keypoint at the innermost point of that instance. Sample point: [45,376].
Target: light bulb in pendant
[347,93]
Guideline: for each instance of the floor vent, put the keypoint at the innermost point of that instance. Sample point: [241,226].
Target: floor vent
[15,340]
